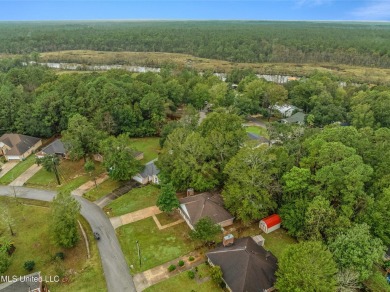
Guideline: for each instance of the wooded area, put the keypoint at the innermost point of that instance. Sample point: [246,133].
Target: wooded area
[363,44]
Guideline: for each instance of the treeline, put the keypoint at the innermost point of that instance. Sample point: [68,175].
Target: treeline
[362,44]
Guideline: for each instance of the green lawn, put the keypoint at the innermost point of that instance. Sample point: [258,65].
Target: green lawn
[17,170]
[182,282]
[157,246]
[33,242]
[71,173]
[257,130]
[103,189]
[149,146]
[165,218]
[136,199]
[276,241]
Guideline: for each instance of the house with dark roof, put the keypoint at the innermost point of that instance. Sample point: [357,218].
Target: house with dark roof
[246,266]
[27,283]
[17,146]
[55,148]
[194,208]
[149,174]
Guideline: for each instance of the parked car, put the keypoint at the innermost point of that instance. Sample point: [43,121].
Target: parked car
[97,235]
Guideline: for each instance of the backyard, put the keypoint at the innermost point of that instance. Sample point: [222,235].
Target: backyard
[136,199]
[33,241]
[156,246]
[149,146]
[257,130]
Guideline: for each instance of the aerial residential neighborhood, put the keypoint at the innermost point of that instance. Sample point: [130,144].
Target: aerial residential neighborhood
[195,146]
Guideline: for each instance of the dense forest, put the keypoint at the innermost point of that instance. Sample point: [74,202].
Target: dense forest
[363,44]
[329,179]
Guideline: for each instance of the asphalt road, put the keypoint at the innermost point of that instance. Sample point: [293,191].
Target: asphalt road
[116,271]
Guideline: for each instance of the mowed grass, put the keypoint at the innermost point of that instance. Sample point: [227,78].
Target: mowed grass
[136,199]
[71,173]
[21,167]
[101,190]
[257,130]
[33,241]
[182,282]
[276,241]
[165,218]
[149,146]
[157,246]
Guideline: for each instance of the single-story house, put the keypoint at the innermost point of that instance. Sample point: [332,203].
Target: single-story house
[17,146]
[54,148]
[27,283]
[194,208]
[286,110]
[270,223]
[149,174]
[297,118]
[245,266]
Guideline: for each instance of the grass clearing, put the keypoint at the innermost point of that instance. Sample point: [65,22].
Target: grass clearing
[257,130]
[149,146]
[157,246]
[182,282]
[136,199]
[71,173]
[33,242]
[21,167]
[157,59]
[101,190]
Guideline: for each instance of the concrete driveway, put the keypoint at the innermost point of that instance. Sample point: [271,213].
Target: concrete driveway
[25,176]
[7,167]
[115,268]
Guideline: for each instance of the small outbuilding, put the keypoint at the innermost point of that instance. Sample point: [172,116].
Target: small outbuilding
[270,223]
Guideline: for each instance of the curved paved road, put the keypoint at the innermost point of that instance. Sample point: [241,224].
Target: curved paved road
[116,271]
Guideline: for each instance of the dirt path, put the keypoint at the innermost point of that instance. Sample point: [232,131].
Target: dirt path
[134,216]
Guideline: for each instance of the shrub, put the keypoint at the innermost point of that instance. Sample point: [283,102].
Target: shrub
[216,274]
[181,263]
[29,265]
[171,268]
[191,274]
[5,261]
[59,255]
[191,258]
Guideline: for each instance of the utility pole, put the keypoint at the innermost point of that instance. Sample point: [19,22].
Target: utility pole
[139,254]
[56,171]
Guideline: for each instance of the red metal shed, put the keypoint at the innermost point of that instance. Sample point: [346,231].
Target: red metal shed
[270,223]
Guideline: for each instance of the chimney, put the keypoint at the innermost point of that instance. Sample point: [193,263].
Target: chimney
[228,240]
[190,192]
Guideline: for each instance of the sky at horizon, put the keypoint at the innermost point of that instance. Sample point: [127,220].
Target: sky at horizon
[336,10]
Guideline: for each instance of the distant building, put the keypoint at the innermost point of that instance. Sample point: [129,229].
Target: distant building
[297,118]
[286,110]
[149,174]
[245,266]
[17,146]
[194,208]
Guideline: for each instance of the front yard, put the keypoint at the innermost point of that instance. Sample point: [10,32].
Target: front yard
[136,199]
[33,241]
[103,189]
[181,282]
[71,173]
[156,246]
[257,130]
[17,170]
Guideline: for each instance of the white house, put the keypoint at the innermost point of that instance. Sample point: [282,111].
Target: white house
[286,110]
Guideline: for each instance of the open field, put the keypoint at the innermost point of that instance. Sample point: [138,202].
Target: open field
[71,173]
[33,241]
[156,59]
[136,199]
[182,282]
[157,246]
[17,170]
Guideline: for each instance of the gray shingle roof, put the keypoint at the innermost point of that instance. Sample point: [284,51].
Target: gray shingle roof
[204,205]
[56,147]
[18,143]
[150,169]
[245,265]
[26,283]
